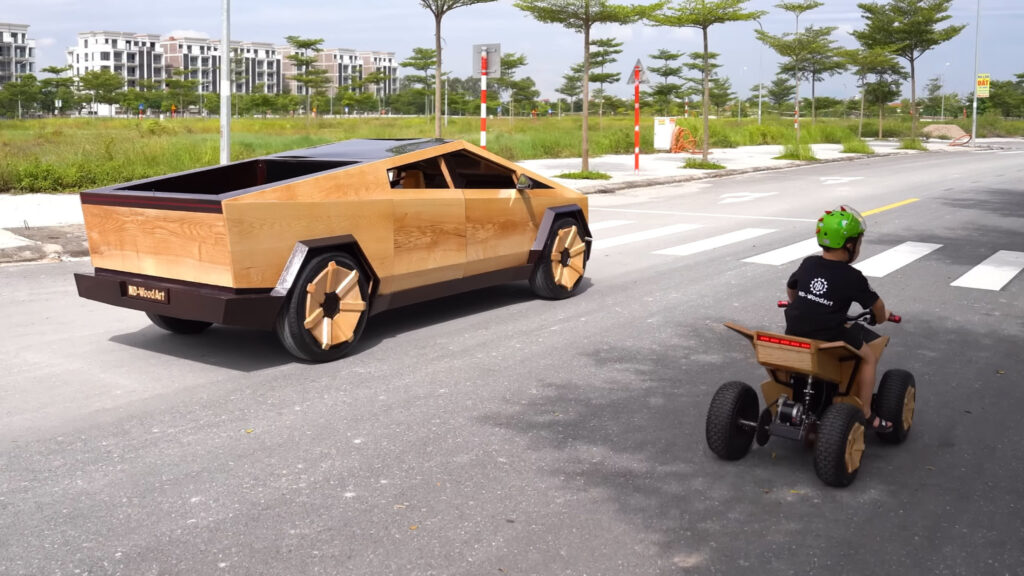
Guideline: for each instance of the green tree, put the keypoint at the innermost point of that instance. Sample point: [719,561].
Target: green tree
[602,53]
[422,61]
[910,28]
[780,91]
[665,91]
[572,86]
[703,14]
[439,8]
[580,16]
[506,84]
[58,88]
[104,85]
[864,63]
[720,93]
[23,94]
[793,48]
[820,58]
[312,78]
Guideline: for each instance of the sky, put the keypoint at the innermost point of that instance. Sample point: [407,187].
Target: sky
[401,25]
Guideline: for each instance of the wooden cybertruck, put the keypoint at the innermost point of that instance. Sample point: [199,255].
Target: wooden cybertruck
[312,242]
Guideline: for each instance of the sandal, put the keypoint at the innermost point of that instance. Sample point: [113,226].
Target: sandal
[882,425]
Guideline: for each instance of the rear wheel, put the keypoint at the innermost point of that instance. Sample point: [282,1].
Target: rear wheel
[895,402]
[840,445]
[559,271]
[178,325]
[732,420]
[327,309]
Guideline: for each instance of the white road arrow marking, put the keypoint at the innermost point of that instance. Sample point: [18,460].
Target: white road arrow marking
[829,180]
[734,197]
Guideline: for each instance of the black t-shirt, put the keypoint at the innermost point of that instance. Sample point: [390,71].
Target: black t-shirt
[824,291]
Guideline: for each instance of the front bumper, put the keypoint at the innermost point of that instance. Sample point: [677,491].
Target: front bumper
[178,299]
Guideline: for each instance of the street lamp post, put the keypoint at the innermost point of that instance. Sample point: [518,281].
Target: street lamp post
[760,80]
[942,86]
[974,113]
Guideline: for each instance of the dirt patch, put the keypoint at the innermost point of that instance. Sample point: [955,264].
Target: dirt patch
[943,131]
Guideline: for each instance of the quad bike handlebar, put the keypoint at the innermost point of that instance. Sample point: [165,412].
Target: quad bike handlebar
[866,316]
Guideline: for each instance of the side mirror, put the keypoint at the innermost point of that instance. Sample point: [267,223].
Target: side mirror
[524,183]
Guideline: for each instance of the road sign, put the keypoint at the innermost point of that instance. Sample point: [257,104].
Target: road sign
[493,59]
[632,73]
[983,85]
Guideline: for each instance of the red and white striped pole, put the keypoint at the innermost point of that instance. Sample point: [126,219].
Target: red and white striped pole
[483,98]
[636,120]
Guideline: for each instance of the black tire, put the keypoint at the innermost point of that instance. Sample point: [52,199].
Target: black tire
[727,438]
[558,275]
[895,402]
[840,445]
[291,323]
[178,325]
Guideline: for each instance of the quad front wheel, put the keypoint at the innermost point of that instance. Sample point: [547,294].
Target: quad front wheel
[324,315]
[559,272]
[732,420]
[840,445]
[895,402]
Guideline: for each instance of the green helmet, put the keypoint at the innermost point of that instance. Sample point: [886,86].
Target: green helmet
[836,226]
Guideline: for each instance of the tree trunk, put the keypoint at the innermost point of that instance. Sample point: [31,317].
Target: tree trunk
[881,108]
[707,96]
[814,107]
[437,75]
[860,124]
[913,100]
[585,145]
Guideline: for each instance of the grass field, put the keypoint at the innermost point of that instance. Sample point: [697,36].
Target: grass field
[73,154]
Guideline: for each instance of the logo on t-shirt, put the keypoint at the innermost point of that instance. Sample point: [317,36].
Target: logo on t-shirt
[819,286]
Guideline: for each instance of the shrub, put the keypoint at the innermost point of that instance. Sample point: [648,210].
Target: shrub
[794,152]
[699,164]
[856,146]
[911,144]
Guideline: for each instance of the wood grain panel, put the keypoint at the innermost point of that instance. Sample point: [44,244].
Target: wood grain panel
[189,246]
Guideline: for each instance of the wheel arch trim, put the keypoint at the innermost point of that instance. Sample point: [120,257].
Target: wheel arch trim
[548,221]
[305,250]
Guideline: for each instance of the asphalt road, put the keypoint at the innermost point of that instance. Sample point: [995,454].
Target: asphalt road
[492,433]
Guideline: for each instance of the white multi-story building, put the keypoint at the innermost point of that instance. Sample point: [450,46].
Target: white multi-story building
[17,52]
[383,62]
[134,57]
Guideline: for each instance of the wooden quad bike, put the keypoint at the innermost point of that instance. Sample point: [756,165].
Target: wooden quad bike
[810,396]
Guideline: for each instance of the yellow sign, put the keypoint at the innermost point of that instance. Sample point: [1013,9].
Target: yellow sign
[983,85]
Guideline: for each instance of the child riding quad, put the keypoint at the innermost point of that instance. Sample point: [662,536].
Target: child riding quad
[818,385]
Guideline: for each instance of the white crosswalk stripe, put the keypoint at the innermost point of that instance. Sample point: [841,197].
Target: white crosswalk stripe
[644,235]
[715,242]
[894,258]
[787,254]
[994,273]
[608,224]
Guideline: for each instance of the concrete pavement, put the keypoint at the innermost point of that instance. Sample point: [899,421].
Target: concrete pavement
[37,227]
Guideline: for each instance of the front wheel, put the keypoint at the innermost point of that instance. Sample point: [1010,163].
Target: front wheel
[840,445]
[178,325]
[327,309]
[896,401]
[559,272]
[732,420]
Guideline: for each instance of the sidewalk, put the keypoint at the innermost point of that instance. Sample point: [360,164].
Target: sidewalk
[49,226]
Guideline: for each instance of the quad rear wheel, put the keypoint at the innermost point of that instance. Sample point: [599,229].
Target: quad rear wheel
[326,311]
[896,401]
[840,445]
[732,420]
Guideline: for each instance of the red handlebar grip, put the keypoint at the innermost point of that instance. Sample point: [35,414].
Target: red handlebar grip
[782,303]
[895,318]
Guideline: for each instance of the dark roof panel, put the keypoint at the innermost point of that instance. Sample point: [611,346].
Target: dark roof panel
[362,150]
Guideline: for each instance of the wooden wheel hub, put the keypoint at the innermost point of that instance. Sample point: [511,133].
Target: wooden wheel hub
[334,305]
[567,257]
[909,401]
[854,448]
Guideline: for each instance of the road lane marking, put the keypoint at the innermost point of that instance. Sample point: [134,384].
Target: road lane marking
[890,206]
[1013,152]
[895,258]
[644,235]
[702,214]
[828,180]
[715,242]
[734,197]
[788,253]
[608,224]
[994,273]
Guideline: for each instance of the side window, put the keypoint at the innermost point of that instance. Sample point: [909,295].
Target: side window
[418,175]
[469,171]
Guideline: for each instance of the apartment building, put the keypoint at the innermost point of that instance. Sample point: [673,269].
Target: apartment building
[17,52]
[344,69]
[383,62]
[134,57]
